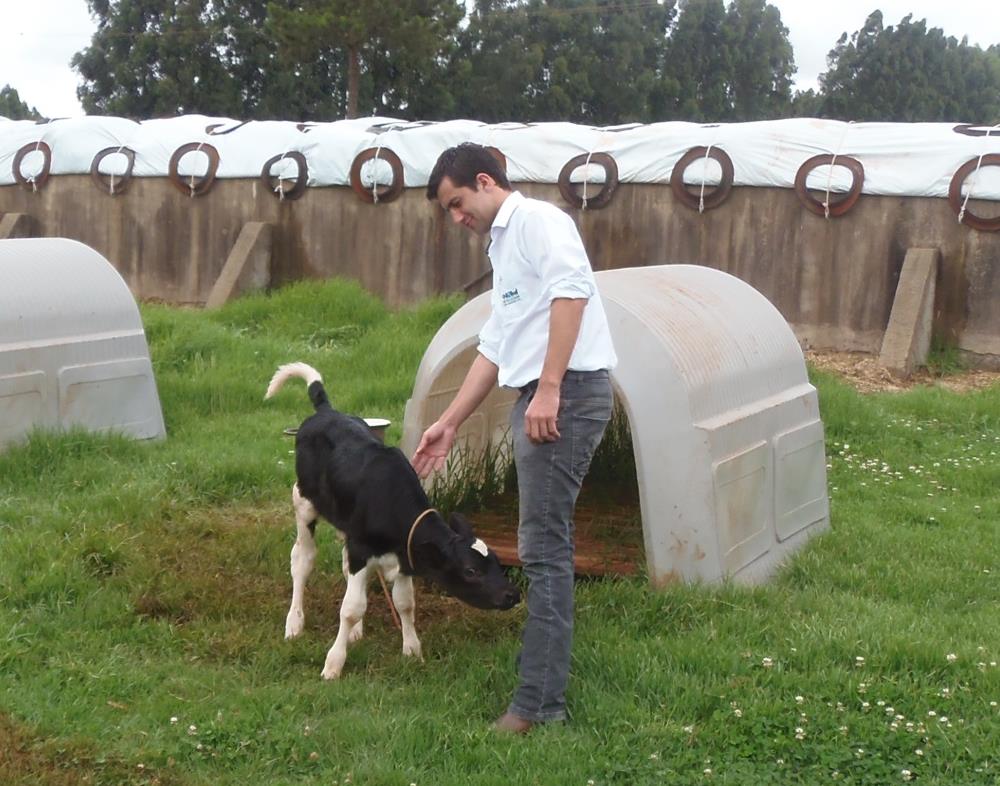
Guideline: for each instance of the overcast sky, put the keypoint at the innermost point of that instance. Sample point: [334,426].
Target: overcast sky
[39,37]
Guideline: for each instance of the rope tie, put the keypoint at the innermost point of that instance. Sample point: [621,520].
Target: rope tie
[586,171]
[34,186]
[701,193]
[975,176]
[111,180]
[829,174]
[191,183]
[281,193]
[378,150]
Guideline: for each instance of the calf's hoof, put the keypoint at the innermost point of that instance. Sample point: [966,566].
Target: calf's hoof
[412,650]
[330,673]
[294,624]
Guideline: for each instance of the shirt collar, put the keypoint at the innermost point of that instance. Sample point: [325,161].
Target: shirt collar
[508,207]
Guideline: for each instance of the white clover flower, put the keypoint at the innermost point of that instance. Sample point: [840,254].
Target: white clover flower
[799,699]
[766,663]
[779,762]
[907,775]
[951,657]
[707,770]
[918,752]
[689,729]
[931,713]
[173,720]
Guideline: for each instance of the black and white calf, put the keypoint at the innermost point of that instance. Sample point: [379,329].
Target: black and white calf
[372,495]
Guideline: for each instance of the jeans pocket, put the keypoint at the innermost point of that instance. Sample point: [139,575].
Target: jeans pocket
[589,418]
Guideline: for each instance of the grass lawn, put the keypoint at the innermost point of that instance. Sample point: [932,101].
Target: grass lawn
[143,589]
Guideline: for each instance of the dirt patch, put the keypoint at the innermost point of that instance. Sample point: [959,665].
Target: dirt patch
[608,532]
[26,758]
[863,372]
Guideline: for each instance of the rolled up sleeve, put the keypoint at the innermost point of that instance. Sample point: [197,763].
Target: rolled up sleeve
[489,339]
[561,259]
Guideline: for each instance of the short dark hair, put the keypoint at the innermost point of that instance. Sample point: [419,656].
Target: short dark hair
[461,164]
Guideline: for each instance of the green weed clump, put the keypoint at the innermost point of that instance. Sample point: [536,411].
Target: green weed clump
[143,588]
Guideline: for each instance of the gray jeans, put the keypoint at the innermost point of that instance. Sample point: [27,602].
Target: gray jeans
[549,476]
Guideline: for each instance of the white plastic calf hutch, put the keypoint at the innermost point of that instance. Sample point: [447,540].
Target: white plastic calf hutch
[72,348]
[725,425]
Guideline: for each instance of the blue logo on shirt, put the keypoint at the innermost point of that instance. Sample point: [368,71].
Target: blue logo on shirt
[510,296]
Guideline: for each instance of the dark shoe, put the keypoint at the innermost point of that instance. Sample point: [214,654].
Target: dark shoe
[510,723]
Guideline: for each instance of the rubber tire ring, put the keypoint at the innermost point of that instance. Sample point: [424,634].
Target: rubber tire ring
[301,181]
[602,197]
[204,184]
[42,178]
[718,194]
[955,193]
[385,193]
[108,186]
[839,206]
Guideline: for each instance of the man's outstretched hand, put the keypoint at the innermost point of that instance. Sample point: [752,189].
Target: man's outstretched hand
[433,449]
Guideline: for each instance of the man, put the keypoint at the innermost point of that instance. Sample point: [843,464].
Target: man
[547,336]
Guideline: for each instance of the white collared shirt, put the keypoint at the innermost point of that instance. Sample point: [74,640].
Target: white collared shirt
[537,256]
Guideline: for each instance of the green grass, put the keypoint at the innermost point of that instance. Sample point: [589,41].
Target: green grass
[143,589]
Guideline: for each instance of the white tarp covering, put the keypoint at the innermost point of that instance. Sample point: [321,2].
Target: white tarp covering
[903,159]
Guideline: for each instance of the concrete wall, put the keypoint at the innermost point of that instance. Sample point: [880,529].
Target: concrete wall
[833,280]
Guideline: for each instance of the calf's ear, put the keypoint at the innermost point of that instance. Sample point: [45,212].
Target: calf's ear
[460,525]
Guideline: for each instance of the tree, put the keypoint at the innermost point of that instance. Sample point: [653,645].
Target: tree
[270,83]
[150,58]
[908,73]
[700,61]
[13,108]
[394,50]
[761,60]
[587,61]
[728,63]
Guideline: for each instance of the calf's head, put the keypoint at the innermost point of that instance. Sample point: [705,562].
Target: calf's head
[468,569]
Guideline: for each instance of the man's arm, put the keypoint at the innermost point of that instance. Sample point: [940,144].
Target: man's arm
[437,440]
[565,316]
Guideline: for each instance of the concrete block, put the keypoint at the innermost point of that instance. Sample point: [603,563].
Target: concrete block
[16,225]
[907,337]
[248,267]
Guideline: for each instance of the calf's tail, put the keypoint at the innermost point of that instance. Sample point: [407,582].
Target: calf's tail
[314,382]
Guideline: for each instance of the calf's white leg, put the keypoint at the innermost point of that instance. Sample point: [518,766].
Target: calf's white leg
[303,559]
[402,598]
[358,630]
[352,609]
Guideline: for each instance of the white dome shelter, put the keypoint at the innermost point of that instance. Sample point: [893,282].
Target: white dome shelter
[725,425]
[72,347]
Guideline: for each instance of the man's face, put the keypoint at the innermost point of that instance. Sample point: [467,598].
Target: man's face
[474,209]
